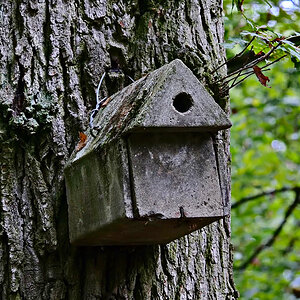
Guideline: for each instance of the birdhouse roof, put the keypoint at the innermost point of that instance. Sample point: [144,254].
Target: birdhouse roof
[169,98]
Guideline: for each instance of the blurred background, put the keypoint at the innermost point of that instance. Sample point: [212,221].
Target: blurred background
[265,157]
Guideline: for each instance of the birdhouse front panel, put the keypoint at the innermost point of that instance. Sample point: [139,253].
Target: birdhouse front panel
[175,175]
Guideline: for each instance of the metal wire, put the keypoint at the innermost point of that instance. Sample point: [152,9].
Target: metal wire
[98,104]
[130,78]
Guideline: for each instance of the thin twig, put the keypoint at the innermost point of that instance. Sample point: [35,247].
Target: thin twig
[241,53]
[228,88]
[250,74]
[235,79]
[233,74]
[275,234]
[273,62]
[245,73]
[266,193]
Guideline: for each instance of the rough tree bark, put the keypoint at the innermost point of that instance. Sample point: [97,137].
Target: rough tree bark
[52,55]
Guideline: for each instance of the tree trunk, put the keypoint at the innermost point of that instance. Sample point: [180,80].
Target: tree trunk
[52,55]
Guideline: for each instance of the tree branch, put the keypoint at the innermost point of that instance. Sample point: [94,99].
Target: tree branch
[248,72]
[275,234]
[234,57]
[272,192]
[290,246]
[251,64]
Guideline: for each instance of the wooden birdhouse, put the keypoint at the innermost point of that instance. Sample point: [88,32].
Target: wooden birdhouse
[154,172]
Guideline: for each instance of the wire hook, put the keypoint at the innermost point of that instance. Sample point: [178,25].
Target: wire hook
[99,103]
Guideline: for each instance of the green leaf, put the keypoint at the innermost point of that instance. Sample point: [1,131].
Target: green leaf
[289,48]
[296,63]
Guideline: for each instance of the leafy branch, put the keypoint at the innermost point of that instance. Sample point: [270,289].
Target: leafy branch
[276,232]
[279,46]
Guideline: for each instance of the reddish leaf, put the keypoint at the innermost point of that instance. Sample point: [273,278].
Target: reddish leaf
[261,77]
[278,39]
[82,142]
[259,54]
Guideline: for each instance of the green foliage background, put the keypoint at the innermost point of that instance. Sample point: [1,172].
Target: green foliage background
[265,156]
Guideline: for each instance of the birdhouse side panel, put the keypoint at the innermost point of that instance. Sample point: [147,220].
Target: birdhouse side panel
[98,191]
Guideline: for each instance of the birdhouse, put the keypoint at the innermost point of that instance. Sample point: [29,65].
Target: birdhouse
[154,171]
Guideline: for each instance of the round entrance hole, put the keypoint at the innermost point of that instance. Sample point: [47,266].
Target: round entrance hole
[183,102]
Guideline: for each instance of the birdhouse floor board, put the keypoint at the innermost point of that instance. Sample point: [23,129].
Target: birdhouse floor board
[143,231]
